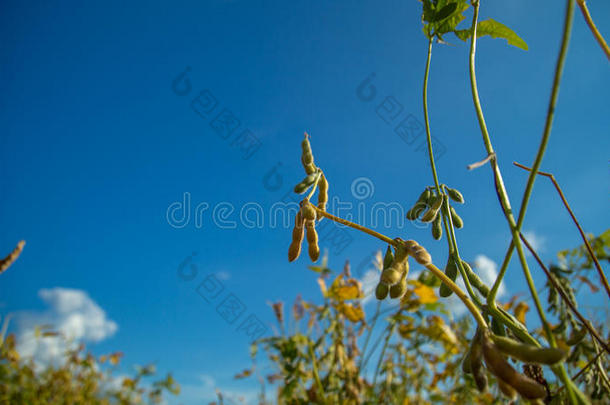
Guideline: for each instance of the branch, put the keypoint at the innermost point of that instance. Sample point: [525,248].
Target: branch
[598,36]
[602,276]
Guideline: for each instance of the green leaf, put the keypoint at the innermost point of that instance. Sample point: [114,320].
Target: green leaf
[444,12]
[498,30]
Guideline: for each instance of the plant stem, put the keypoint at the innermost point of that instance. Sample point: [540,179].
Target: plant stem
[437,272]
[501,191]
[598,36]
[368,335]
[563,295]
[383,349]
[449,230]
[600,271]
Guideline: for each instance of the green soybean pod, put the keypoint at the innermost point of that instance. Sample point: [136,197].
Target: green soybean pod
[528,353]
[307,155]
[425,196]
[431,213]
[577,336]
[456,220]
[455,195]
[390,276]
[381,291]
[466,363]
[398,289]
[309,212]
[388,258]
[476,364]
[497,327]
[451,271]
[501,368]
[437,227]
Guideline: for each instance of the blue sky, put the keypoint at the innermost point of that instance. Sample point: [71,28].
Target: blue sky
[97,145]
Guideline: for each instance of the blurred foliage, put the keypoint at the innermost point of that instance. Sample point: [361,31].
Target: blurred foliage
[333,355]
[80,378]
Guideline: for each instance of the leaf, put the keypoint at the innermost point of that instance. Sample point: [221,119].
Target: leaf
[444,12]
[347,292]
[588,282]
[426,294]
[498,30]
[352,312]
[520,311]
[246,373]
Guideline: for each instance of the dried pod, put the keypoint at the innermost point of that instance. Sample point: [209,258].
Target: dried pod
[435,207]
[390,276]
[476,363]
[410,244]
[307,155]
[451,271]
[308,211]
[312,240]
[297,238]
[455,195]
[501,368]
[398,289]
[381,291]
[322,194]
[421,255]
[388,258]
[305,184]
[437,227]
[507,390]
[425,196]
[528,353]
[456,220]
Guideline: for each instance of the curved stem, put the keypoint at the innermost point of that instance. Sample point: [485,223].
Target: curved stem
[600,271]
[437,272]
[598,36]
[449,230]
[503,196]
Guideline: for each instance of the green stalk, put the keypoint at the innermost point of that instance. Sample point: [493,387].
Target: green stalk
[453,249]
[503,196]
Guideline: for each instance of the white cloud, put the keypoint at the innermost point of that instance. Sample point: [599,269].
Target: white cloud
[488,271]
[73,314]
[206,389]
[538,242]
[223,275]
[369,284]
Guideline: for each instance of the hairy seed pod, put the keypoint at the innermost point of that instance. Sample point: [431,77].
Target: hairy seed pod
[421,256]
[306,156]
[455,195]
[322,194]
[437,227]
[381,291]
[501,368]
[528,353]
[397,268]
[410,245]
[398,289]
[388,258]
[451,271]
[309,212]
[390,276]
[310,168]
[425,196]
[476,364]
[507,390]
[297,238]
[456,220]
[475,280]
[432,212]
[312,240]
